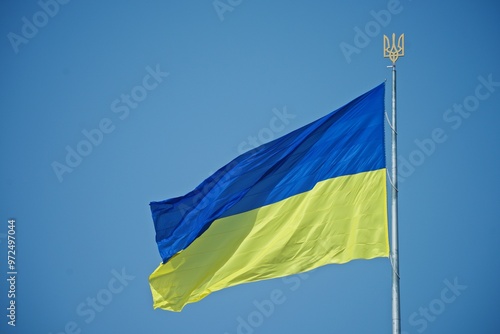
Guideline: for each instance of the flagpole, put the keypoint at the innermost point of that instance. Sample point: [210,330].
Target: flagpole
[393,52]
[396,314]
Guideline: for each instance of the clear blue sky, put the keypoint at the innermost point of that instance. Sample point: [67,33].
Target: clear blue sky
[169,91]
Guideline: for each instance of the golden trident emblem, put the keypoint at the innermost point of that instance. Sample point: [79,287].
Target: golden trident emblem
[394,52]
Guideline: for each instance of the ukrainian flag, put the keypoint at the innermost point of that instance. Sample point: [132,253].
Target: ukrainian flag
[313,197]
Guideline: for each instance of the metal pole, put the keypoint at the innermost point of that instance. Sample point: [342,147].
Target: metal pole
[396,314]
[393,52]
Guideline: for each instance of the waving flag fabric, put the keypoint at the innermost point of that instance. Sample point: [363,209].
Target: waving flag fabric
[313,197]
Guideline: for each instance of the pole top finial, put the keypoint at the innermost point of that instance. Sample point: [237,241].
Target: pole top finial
[393,52]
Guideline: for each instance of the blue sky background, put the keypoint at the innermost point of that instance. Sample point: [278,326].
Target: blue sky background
[229,75]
